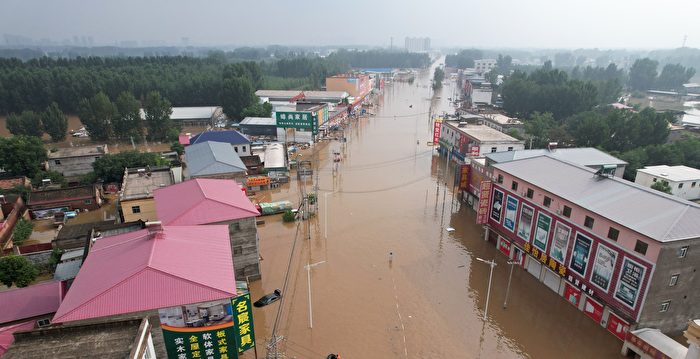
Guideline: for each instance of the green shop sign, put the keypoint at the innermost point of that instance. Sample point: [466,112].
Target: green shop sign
[199,343]
[297,119]
[243,320]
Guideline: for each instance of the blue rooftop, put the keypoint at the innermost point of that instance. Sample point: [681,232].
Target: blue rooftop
[231,137]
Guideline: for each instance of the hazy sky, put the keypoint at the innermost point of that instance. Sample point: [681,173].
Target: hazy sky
[486,23]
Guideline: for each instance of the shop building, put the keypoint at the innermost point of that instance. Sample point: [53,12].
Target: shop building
[623,254]
[461,140]
[357,85]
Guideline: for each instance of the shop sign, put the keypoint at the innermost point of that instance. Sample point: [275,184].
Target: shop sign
[436,130]
[243,319]
[593,309]
[560,242]
[544,259]
[504,246]
[572,294]
[629,282]
[603,267]
[464,177]
[511,212]
[646,347]
[484,200]
[474,151]
[525,223]
[582,251]
[542,231]
[295,119]
[257,181]
[497,205]
[617,326]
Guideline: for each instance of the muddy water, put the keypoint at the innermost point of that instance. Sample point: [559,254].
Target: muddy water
[428,301]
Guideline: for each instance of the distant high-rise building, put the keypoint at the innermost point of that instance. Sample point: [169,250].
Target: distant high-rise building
[417,44]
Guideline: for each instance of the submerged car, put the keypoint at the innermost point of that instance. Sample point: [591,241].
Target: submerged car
[268,298]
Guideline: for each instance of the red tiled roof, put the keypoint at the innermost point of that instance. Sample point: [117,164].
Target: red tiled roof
[202,201]
[146,270]
[7,337]
[31,301]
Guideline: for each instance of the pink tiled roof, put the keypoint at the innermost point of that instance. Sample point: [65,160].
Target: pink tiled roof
[6,337]
[145,270]
[32,301]
[202,201]
[184,139]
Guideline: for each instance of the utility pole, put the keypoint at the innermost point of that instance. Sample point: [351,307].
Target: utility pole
[492,264]
[510,276]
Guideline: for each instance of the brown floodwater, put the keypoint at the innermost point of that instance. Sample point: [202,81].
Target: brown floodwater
[388,195]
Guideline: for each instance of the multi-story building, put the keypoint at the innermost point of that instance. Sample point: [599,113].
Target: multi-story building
[357,85]
[684,181]
[417,44]
[73,162]
[503,123]
[136,195]
[623,254]
[484,65]
[461,140]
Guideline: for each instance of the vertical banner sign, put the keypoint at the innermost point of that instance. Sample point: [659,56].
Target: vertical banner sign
[560,242]
[202,330]
[484,200]
[464,177]
[582,250]
[603,267]
[525,223]
[511,211]
[542,231]
[474,151]
[497,206]
[243,319]
[436,130]
[629,283]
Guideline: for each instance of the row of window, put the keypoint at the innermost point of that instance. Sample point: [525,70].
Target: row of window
[680,185]
[613,233]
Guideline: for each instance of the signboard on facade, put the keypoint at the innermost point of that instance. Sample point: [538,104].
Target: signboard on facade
[297,120]
[629,282]
[257,181]
[593,309]
[504,246]
[497,205]
[579,258]
[545,260]
[560,242]
[603,267]
[474,151]
[511,212]
[436,130]
[482,216]
[542,231]
[617,326]
[464,177]
[243,320]
[525,222]
[572,294]
[646,347]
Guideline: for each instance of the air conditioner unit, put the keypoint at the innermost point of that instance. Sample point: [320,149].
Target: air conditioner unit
[43,322]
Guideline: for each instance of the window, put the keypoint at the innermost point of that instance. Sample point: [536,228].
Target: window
[530,193]
[58,162]
[235,148]
[510,148]
[692,185]
[665,305]
[97,158]
[674,280]
[680,185]
[641,247]
[135,209]
[43,322]
[87,201]
[493,149]
[567,212]
[237,250]
[547,201]
[588,222]
[244,149]
[500,179]
[682,252]
[514,186]
[613,233]
[654,180]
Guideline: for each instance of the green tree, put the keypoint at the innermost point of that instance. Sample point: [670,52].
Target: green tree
[643,74]
[22,155]
[236,94]
[17,270]
[97,114]
[23,229]
[28,123]
[661,186]
[110,167]
[438,76]
[288,216]
[128,124]
[257,110]
[538,128]
[56,254]
[158,111]
[673,76]
[55,122]
[177,147]
[55,177]
[590,129]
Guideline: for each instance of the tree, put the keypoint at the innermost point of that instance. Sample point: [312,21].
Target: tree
[55,177]
[110,167]
[288,216]
[463,59]
[55,122]
[538,127]
[257,110]
[661,186]
[643,74]
[23,229]
[158,111]
[97,114]
[128,124]
[22,155]
[236,94]
[438,76]
[590,129]
[17,270]
[177,147]
[28,123]
[673,76]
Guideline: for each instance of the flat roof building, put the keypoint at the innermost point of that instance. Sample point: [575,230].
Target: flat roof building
[462,140]
[195,116]
[684,181]
[73,162]
[136,195]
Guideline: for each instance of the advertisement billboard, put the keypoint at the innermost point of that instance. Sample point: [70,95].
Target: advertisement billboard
[297,120]
[629,282]
[482,216]
[474,151]
[497,205]
[464,177]
[579,258]
[243,320]
[542,231]
[511,212]
[603,267]
[560,242]
[436,130]
[525,222]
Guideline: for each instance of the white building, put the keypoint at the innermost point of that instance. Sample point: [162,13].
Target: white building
[684,181]
[464,140]
[484,65]
[417,44]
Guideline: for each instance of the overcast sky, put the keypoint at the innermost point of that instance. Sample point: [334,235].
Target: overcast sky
[485,23]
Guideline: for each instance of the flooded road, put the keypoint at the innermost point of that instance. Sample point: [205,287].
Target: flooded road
[389,195]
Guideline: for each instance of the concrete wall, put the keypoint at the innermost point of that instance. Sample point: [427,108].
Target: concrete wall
[684,296]
[243,234]
[147,206]
[72,166]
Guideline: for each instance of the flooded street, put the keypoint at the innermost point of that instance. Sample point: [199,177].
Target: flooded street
[389,195]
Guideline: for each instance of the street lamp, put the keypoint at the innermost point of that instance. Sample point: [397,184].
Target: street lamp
[308,281]
[510,276]
[492,264]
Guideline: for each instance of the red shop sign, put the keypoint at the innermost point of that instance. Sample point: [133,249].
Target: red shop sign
[593,309]
[504,246]
[572,294]
[617,326]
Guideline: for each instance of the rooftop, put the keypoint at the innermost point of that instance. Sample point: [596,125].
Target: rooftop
[53,195]
[141,182]
[203,201]
[34,300]
[672,173]
[654,214]
[82,151]
[267,121]
[7,337]
[502,119]
[211,158]
[585,156]
[151,269]
[231,137]
[72,231]
[483,133]
[661,342]
[309,95]
[12,182]
[67,270]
